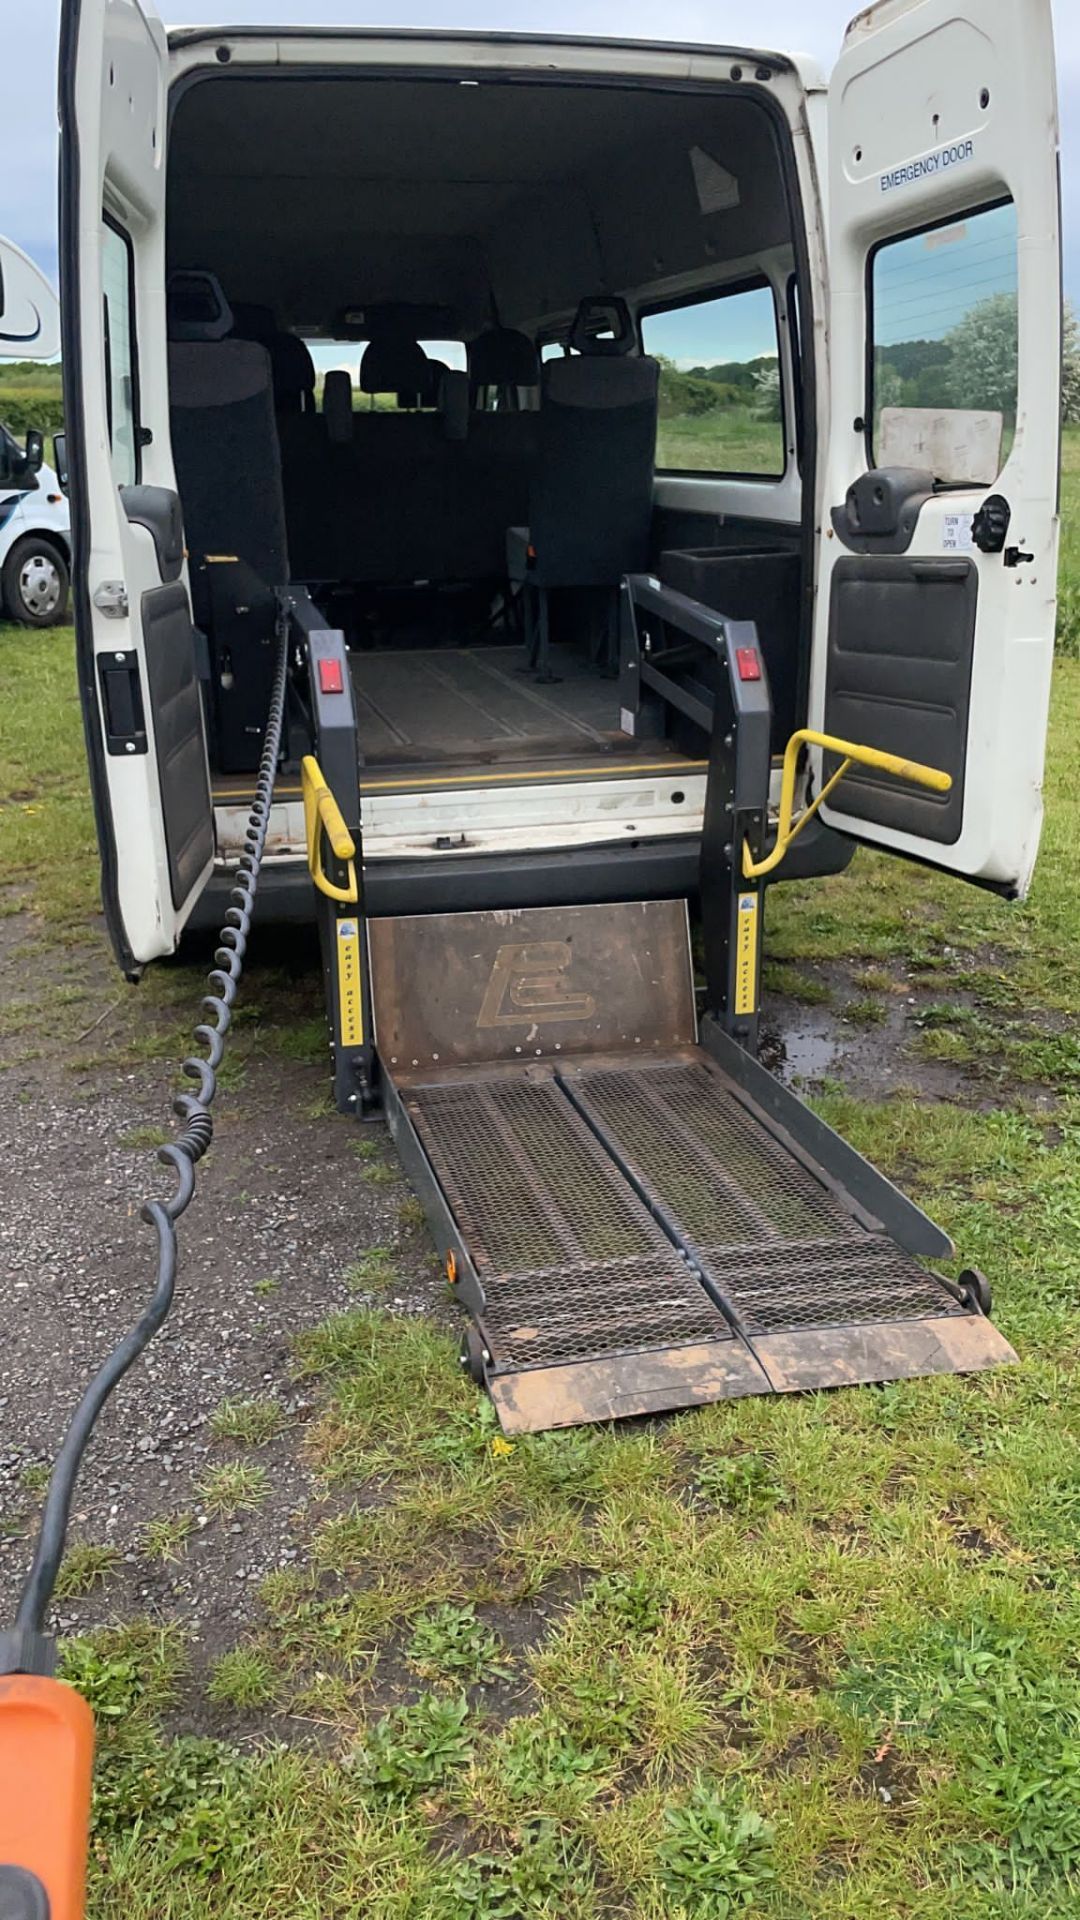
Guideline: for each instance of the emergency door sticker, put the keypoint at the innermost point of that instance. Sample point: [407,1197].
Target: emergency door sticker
[956,534]
[350,984]
[930,165]
[746,947]
[528,984]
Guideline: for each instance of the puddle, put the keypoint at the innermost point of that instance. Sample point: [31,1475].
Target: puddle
[804,1048]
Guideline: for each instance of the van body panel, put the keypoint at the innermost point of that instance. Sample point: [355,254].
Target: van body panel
[855,156]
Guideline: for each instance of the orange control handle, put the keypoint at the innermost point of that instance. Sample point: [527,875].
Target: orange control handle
[46,1760]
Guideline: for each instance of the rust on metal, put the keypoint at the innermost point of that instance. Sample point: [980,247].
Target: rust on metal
[461,989]
[536,1399]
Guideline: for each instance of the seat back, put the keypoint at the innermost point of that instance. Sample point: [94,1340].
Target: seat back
[591,497]
[226,453]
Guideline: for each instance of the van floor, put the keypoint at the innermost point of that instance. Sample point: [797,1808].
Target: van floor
[433,716]
[483,707]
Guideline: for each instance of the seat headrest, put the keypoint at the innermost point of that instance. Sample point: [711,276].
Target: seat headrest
[294,372]
[581,380]
[453,403]
[502,357]
[337,407]
[394,366]
[603,313]
[196,307]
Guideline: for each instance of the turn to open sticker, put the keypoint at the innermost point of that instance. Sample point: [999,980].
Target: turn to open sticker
[956,533]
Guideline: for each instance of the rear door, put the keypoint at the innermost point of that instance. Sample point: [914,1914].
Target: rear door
[142,703]
[934,622]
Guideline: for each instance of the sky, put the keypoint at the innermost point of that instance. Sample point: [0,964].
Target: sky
[28,30]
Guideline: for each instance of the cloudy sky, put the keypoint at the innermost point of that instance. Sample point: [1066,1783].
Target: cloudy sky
[28,68]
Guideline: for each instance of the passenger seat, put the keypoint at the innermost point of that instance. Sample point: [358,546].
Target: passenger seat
[590,500]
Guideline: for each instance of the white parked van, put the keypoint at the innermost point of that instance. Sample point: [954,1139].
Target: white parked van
[539,313]
[35,539]
[35,533]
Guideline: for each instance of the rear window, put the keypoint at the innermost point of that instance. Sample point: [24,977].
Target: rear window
[346,355]
[118,282]
[720,398]
[943,304]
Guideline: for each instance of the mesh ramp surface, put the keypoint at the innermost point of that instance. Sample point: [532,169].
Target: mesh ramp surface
[572,1263]
[782,1247]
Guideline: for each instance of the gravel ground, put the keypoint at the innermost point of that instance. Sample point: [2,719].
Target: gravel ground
[282,1211]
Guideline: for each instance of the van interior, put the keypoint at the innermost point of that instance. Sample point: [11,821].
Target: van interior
[455,280]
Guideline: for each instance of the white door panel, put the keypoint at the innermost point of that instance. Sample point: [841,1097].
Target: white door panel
[939,110]
[133,617]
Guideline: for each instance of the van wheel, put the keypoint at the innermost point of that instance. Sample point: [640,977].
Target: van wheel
[35,583]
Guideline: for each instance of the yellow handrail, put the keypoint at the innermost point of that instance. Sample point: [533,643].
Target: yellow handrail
[323,815]
[788,830]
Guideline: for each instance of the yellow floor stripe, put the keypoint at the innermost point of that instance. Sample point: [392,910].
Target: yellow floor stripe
[410,784]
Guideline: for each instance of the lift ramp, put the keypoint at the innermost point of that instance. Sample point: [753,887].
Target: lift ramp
[638,1216]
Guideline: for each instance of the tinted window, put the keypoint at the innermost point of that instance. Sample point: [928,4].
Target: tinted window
[944,317]
[118,284]
[720,404]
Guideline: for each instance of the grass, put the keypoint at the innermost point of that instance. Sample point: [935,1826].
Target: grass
[730,439]
[251,1423]
[85,1566]
[166,1538]
[235,1487]
[811,1658]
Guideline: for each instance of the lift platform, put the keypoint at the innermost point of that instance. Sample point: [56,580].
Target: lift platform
[634,1212]
[638,1216]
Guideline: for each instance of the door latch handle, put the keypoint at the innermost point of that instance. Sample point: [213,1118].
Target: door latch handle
[1013,557]
[991,524]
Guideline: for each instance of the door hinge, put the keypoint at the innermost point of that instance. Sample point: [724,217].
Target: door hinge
[111,600]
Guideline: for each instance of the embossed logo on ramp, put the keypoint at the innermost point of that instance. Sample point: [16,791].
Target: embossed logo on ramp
[528,984]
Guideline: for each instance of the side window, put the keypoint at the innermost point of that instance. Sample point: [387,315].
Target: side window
[120,371]
[720,396]
[943,367]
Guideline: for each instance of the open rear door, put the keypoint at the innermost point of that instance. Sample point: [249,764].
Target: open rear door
[934,626]
[141,698]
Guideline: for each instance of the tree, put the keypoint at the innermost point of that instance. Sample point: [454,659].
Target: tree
[984,357]
[767,392]
[1070,366]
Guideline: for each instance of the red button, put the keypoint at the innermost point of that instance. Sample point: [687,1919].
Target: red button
[748,664]
[330,680]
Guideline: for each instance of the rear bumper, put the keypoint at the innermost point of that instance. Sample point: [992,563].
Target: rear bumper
[646,870]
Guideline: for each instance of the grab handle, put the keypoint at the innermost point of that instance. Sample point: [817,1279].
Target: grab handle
[323,815]
[788,829]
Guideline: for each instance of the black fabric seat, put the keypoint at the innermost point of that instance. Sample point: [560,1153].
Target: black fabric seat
[590,497]
[228,472]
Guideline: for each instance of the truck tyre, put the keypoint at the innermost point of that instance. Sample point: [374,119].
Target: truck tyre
[35,582]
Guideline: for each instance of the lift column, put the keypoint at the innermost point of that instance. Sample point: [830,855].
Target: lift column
[331,787]
[711,669]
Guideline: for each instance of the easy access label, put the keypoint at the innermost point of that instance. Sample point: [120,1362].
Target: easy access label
[350,984]
[746,948]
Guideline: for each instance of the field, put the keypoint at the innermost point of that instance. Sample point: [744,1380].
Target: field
[351,1652]
[731,439]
